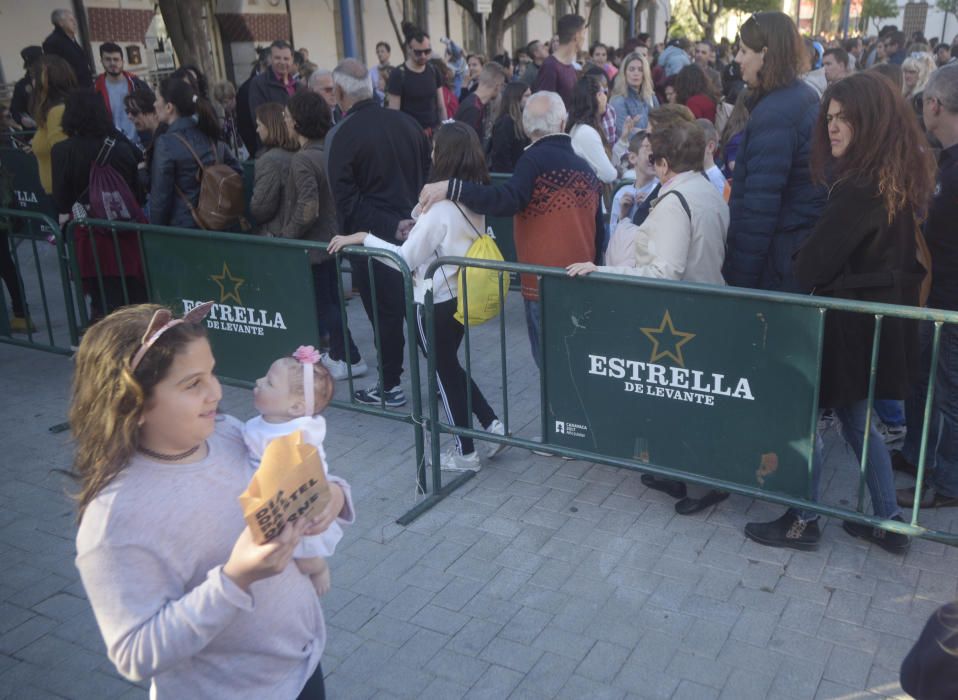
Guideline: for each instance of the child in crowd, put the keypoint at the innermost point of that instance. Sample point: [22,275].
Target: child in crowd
[628,197]
[711,170]
[290,397]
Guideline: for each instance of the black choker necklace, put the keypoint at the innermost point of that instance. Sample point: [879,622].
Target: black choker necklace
[170,458]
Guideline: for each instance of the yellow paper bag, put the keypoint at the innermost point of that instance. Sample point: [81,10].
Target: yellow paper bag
[289,484]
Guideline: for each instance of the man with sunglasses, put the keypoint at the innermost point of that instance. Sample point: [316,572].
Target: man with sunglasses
[416,87]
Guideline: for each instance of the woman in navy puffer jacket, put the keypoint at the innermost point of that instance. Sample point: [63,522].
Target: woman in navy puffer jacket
[774,203]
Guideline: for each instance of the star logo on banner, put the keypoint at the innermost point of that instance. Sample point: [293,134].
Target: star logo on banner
[227,281]
[666,341]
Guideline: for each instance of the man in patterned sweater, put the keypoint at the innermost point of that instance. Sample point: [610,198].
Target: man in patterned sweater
[553,195]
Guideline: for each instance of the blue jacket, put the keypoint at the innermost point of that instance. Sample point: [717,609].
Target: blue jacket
[774,204]
[631,104]
[174,166]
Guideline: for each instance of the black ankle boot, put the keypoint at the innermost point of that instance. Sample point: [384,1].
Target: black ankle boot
[673,487]
[788,531]
[889,541]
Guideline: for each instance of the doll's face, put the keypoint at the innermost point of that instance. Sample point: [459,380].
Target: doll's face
[273,395]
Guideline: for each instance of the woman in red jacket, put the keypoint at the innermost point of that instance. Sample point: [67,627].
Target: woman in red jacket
[694,90]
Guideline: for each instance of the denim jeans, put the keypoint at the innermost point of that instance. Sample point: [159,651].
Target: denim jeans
[534,326]
[329,315]
[879,477]
[942,460]
[891,412]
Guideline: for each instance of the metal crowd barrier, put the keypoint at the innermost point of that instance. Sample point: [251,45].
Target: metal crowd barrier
[772,340]
[765,306]
[45,330]
[259,285]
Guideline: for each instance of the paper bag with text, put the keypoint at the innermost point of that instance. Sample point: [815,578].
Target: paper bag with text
[289,484]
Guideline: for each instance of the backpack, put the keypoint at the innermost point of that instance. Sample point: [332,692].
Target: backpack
[110,195]
[221,202]
[481,284]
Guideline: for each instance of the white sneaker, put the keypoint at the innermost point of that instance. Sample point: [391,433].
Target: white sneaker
[338,370]
[538,438]
[454,462]
[496,448]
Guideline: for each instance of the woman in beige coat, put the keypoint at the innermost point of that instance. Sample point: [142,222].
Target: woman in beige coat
[683,238]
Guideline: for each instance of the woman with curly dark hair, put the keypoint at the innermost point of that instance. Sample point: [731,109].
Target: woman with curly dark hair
[92,138]
[865,247]
[694,90]
[589,102]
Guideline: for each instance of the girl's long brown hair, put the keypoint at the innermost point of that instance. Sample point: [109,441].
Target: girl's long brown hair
[109,400]
[277,135]
[887,144]
[54,79]
[785,59]
[458,154]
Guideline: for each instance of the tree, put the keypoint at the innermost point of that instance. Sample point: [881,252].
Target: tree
[623,8]
[875,11]
[187,29]
[706,12]
[948,6]
[497,21]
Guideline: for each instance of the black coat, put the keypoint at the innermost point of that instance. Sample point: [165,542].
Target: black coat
[245,121]
[59,44]
[377,161]
[72,160]
[854,253]
[930,671]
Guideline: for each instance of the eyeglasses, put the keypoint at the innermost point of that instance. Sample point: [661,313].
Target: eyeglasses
[163,321]
[422,52]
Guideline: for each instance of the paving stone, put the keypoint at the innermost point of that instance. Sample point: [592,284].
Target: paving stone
[802,616]
[849,667]
[578,687]
[603,662]
[503,652]
[456,594]
[706,638]
[848,607]
[755,627]
[797,678]
[699,669]
[25,633]
[689,690]
[440,620]
[752,684]
[461,668]
[525,625]
[573,647]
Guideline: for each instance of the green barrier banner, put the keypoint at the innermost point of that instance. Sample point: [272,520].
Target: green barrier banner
[712,385]
[20,177]
[264,297]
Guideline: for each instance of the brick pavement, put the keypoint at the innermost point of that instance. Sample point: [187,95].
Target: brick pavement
[540,578]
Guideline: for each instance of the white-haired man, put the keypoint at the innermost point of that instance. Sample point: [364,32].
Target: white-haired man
[377,160]
[940,112]
[321,82]
[64,41]
[563,224]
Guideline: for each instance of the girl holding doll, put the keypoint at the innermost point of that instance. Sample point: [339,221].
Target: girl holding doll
[447,229]
[181,592]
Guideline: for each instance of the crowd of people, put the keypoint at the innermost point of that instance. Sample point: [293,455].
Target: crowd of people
[750,163]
